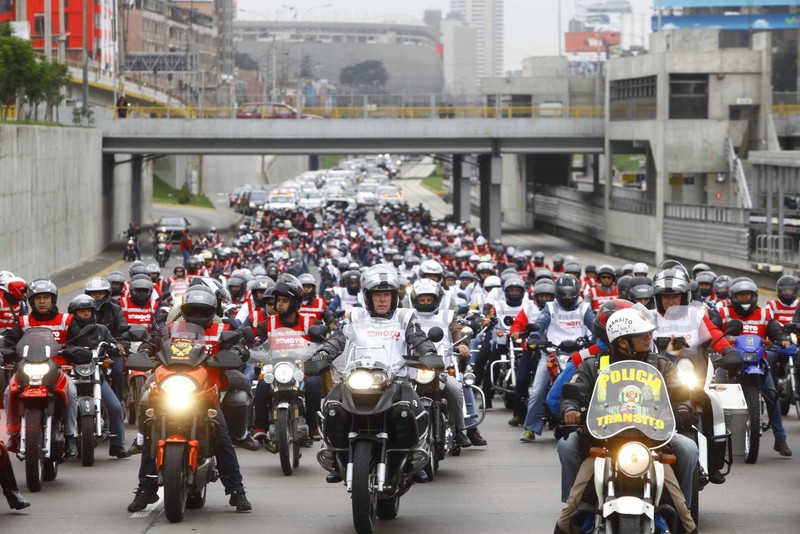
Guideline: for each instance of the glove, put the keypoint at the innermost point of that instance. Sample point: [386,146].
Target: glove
[684,418]
[78,355]
[321,355]
[244,352]
[463,351]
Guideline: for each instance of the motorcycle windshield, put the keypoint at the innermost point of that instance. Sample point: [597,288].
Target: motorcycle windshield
[372,343]
[284,344]
[37,345]
[183,344]
[630,395]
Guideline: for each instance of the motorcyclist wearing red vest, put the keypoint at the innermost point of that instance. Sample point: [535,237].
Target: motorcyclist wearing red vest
[252,312]
[759,321]
[138,307]
[604,290]
[288,293]
[313,304]
[159,284]
[42,298]
[12,301]
[200,307]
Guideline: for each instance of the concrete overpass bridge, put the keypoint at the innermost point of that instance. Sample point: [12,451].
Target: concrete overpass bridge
[547,142]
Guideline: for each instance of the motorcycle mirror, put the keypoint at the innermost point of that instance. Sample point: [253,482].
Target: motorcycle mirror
[573,391]
[661,343]
[735,327]
[436,334]
[461,295]
[467,331]
[462,310]
[532,327]
[318,333]
[225,359]
[508,320]
[137,332]
[569,345]
[229,338]
[139,361]
[248,335]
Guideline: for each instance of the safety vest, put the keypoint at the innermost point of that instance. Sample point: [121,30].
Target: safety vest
[9,313]
[442,319]
[392,337]
[755,323]
[274,323]
[253,312]
[566,324]
[58,325]
[691,326]
[781,311]
[597,296]
[315,308]
[347,301]
[135,314]
[178,286]
[502,309]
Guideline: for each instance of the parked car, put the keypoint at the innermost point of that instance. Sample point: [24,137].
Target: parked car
[271,110]
[173,226]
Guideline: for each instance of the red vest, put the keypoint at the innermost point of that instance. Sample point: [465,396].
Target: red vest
[781,311]
[315,308]
[597,296]
[135,314]
[273,322]
[58,325]
[9,313]
[755,323]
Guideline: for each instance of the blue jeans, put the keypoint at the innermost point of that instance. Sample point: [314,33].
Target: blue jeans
[117,376]
[227,463]
[573,449]
[524,370]
[537,408]
[186,255]
[116,422]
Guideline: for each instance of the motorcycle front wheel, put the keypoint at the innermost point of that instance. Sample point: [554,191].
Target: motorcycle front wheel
[175,491]
[752,396]
[286,449]
[365,492]
[630,524]
[134,396]
[34,454]
[87,440]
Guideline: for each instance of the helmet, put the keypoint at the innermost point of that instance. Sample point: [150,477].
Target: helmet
[199,305]
[672,281]
[152,269]
[220,291]
[507,273]
[641,287]
[480,241]
[786,288]
[492,282]
[591,268]
[431,268]
[543,288]
[137,267]
[640,269]
[567,291]
[627,323]
[538,258]
[16,287]
[604,312]
[207,254]
[541,274]
[193,264]
[627,269]
[514,298]
[558,261]
[380,278]
[426,287]
[721,286]
[351,280]
[705,283]
[42,287]
[290,287]
[573,268]
[174,270]
[273,271]
[739,286]
[117,281]
[606,269]
[82,302]
[97,284]
[449,274]
[698,268]
[466,275]
[623,284]
[259,270]
[141,290]
[236,286]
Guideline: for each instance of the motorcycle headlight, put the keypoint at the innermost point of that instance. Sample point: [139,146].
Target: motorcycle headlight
[633,459]
[750,356]
[86,369]
[366,380]
[299,375]
[425,376]
[284,373]
[36,372]
[469,379]
[179,391]
[686,373]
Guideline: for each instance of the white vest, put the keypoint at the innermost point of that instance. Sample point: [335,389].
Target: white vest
[566,325]
[346,300]
[393,336]
[502,310]
[690,325]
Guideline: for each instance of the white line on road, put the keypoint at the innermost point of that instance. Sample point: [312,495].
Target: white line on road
[155,507]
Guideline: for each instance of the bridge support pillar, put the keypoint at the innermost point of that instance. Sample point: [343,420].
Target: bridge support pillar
[462,209]
[313,163]
[490,169]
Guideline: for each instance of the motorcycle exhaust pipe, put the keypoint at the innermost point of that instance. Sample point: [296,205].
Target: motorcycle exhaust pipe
[48,438]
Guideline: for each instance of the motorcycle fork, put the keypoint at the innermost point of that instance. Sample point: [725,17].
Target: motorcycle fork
[98,403]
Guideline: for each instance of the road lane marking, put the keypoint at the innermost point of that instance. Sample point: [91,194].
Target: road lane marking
[155,507]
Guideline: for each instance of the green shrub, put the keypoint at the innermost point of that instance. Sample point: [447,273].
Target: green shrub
[183,196]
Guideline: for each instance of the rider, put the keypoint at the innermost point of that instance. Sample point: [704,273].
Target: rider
[84,313]
[630,336]
[109,314]
[313,304]
[253,309]
[380,289]
[200,307]
[12,301]
[138,308]
[348,295]
[605,289]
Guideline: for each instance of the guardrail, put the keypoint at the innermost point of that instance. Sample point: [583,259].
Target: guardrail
[715,214]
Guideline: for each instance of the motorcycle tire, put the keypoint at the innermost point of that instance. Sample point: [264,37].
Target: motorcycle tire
[196,500]
[695,508]
[286,449]
[388,508]
[365,494]
[175,491]
[630,524]
[87,442]
[34,453]
[752,396]
[785,406]
[134,397]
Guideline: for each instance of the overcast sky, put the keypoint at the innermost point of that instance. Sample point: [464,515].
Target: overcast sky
[531,26]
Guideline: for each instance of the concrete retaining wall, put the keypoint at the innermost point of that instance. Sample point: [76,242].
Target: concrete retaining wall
[57,209]
[277,169]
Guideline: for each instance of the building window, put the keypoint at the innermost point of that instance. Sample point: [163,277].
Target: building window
[633,99]
[688,96]
[38,24]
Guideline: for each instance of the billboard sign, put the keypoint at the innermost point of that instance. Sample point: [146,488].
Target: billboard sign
[761,21]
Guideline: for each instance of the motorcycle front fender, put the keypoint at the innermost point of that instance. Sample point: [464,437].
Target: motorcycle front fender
[86,406]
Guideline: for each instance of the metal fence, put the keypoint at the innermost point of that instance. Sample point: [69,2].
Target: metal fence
[712,214]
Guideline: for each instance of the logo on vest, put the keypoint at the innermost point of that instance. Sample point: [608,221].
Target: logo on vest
[384,334]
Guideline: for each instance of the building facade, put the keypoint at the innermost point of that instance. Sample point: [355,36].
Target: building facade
[486,16]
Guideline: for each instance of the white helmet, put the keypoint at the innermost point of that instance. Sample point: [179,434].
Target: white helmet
[480,241]
[628,322]
[492,282]
[640,268]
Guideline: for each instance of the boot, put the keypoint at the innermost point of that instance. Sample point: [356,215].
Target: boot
[475,437]
[16,501]
[118,451]
[72,447]
[141,499]
[333,478]
[13,443]
[462,440]
[239,500]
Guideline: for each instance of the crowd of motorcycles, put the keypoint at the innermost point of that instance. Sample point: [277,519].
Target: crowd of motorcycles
[371,437]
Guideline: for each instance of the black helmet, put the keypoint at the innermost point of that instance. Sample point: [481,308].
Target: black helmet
[590,268]
[199,305]
[543,288]
[673,281]
[641,287]
[42,287]
[623,284]
[98,284]
[568,292]
[722,286]
[236,286]
[290,287]
[351,280]
[558,261]
[705,283]
[786,288]
[739,286]
[117,281]
[573,268]
[604,312]
[141,290]
[83,302]
[510,283]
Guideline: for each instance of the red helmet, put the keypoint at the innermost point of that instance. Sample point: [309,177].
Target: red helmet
[17,288]
[604,312]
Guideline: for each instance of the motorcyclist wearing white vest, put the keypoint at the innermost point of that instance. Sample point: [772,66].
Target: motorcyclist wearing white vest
[348,295]
[380,289]
[433,270]
[425,298]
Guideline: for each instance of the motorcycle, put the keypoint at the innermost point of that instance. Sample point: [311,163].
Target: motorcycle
[135,379]
[163,251]
[38,392]
[784,373]
[372,438]
[130,250]
[631,419]
[503,372]
[282,360]
[181,428]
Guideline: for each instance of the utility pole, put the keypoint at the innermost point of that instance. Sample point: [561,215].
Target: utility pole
[48,31]
[85,54]
[62,33]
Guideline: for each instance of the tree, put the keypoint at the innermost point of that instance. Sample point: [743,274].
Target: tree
[367,74]
[17,64]
[784,67]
